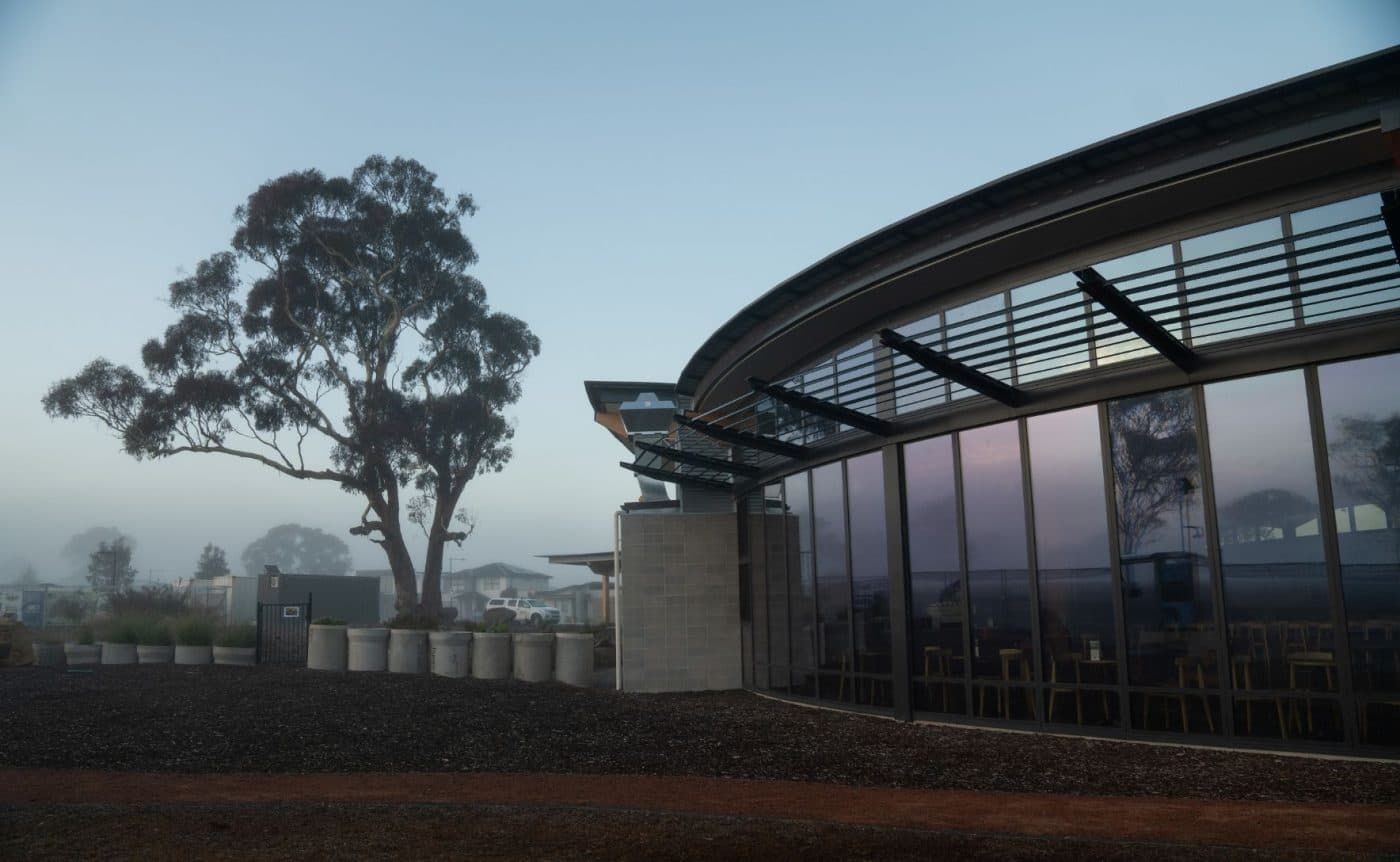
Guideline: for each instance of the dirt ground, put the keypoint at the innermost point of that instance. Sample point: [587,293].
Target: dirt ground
[225,763]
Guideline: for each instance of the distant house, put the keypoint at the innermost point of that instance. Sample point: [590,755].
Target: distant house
[579,603]
[469,589]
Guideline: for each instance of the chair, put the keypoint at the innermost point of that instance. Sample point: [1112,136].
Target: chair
[937,662]
[1242,679]
[1010,657]
[1056,687]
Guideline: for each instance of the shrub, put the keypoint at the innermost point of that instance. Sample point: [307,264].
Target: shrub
[153,599]
[194,631]
[84,635]
[327,621]
[153,631]
[122,630]
[69,607]
[409,621]
[245,635]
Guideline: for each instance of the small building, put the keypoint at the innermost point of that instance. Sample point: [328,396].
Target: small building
[345,597]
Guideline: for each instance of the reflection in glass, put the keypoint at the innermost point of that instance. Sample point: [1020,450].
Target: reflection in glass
[917,388]
[977,336]
[1221,264]
[1148,278]
[870,582]
[1361,409]
[1048,325]
[780,529]
[802,588]
[1363,247]
[819,382]
[1274,576]
[1166,578]
[855,378]
[833,582]
[1078,644]
[753,561]
[935,579]
[997,573]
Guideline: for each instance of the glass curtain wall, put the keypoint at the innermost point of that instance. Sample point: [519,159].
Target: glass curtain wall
[1221,560]
[1166,579]
[1278,612]
[1078,629]
[937,610]
[1361,412]
[870,578]
[998,576]
[835,654]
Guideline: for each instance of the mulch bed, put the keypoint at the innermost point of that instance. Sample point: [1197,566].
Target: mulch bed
[223,719]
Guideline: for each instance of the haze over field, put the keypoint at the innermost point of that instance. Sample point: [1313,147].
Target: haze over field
[642,172]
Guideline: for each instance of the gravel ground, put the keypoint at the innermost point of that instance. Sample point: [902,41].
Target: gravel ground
[223,719]
[331,831]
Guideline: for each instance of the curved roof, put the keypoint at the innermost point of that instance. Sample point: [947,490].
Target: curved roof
[1349,91]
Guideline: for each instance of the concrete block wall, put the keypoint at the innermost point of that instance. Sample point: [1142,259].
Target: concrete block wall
[678,597]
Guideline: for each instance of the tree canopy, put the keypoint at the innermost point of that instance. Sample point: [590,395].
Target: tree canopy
[77,551]
[340,339]
[109,567]
[294,548]
[212,562]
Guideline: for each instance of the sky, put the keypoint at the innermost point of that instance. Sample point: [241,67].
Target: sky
[643,170]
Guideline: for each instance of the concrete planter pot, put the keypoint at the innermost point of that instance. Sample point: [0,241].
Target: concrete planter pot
[236,655]
[573,658]
[48,654]
[408,651]
[534,657]
[490,655]
[368,649]
[115,653]
[81,654]
[155,653]
[449,653]
[192,654]
[327,648]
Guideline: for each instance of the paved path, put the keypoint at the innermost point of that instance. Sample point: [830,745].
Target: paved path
[1263,825]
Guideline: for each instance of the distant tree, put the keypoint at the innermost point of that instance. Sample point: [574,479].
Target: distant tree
[1154,460]
[1366,462]
[28,576]
[294,548]
[212,563]
[1266,514]
[109,567]
[78,550]
[341,295]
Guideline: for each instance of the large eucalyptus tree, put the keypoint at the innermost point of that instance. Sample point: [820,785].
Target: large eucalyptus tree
[341,339]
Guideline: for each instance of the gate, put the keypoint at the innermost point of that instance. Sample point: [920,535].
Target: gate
[282,632]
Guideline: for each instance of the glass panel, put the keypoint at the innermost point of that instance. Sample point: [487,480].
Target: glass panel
[1078,644]
[802,588]
[1148,278]
[820,382]
[917,388]
[833,581]
[755,557]
[977,336]
[935,582]
[1217,313]
[870,581]
[855,378]
[1166,578]
[1277,606]
[1049,335]
[1361,408]
[779,533]
[1364,247]
[997,574]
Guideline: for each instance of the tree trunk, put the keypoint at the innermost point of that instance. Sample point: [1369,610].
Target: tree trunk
[405,578]
[432,576]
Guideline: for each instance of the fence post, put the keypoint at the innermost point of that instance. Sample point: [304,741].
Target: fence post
[257,639]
